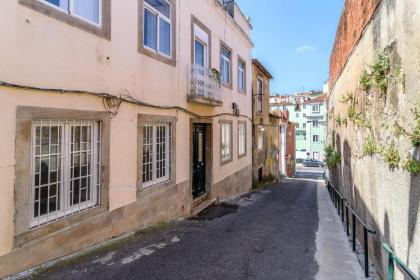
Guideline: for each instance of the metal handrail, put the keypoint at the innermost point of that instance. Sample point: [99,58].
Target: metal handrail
[392,257]
[357,216]
[341,203]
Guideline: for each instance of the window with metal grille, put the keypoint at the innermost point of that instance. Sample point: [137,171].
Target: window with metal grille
[65,169]
[156,153]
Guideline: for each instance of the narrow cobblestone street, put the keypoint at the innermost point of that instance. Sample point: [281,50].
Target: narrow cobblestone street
[268,234]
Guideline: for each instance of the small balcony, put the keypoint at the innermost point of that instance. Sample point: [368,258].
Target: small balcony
[203,86]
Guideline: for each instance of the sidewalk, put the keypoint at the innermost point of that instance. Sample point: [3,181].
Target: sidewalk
[335,258]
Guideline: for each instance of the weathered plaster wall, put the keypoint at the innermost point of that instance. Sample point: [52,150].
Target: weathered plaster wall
[389,200]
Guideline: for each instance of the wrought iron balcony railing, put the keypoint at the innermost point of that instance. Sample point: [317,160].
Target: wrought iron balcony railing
[203,86]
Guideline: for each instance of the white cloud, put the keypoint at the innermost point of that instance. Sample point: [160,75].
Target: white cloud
[305,49]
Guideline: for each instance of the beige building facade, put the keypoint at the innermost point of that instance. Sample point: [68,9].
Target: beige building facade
[117,115]
[266,129]
[373,120]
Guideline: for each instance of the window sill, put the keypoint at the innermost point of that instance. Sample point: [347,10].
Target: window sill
[103,29]
[228,86]
[146,191]
[227,161]
[42,231]
[241,156]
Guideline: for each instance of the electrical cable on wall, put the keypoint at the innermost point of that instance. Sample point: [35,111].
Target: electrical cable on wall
[112,103]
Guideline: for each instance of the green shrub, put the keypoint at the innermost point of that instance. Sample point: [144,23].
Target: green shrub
[380,71]
[333,158]
[369,147]
[361,122]
[351,112]
[411,165]
[379,74]
[365,82]
[391,156]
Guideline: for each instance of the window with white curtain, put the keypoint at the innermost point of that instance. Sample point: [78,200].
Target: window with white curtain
[241,139]
[225,60]
[226,141]
[65,169]
[158,26]
[88,10]
[156,153]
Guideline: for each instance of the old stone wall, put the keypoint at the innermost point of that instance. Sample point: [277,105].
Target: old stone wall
[372,121]
[355,16]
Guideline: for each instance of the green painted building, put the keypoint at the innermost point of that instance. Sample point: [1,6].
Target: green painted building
[308,112]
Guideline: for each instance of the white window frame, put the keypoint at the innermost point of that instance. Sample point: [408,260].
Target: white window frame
[226,139]
[241,139]
[241,73]
[224,58]
[71,11]
[168,149]
[315,108]
[159,16]
[315,123]
[65,174]
[317,138]
[203,38]
[205,52]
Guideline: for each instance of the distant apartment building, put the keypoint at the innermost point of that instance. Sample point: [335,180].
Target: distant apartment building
[307,110]
[117,117]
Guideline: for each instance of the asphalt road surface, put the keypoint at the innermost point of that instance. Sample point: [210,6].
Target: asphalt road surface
[268,234]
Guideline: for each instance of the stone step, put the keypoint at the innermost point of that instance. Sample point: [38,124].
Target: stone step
[202,206]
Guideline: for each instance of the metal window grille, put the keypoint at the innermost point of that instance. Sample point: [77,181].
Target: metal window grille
[157,153]
[65,169]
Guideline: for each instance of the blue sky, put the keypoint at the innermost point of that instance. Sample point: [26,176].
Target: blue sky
[293,39]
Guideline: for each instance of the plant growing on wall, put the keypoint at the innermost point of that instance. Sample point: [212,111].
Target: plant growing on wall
[338,120]
[362,122]
[379,74]
[216,75]
[391,156]
[369,147]
[411,165]
[349,96]
[344,121]
[332,157]
[365,80]
[351,112]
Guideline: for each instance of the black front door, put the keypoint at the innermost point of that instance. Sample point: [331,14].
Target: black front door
[199,160]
